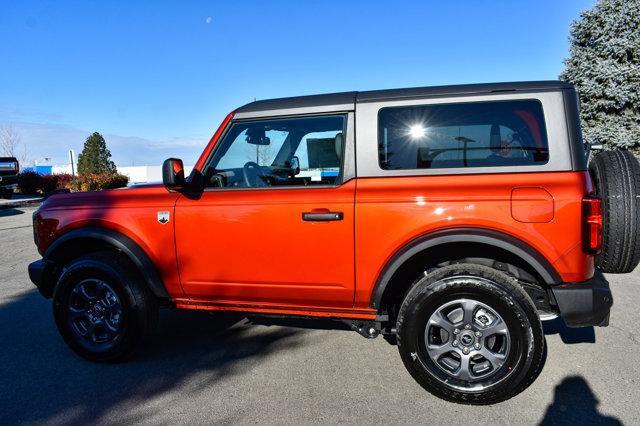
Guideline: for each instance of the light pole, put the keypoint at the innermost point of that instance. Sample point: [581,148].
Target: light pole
[73,170]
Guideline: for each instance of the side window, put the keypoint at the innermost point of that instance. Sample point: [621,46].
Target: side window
[279,152]
[479,134]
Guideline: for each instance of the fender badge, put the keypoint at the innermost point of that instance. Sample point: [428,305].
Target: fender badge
[163,217]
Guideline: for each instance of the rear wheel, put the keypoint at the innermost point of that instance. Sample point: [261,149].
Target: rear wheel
[101,308]
[469,334]
[616,175]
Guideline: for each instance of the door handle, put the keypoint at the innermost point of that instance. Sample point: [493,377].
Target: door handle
[322,217]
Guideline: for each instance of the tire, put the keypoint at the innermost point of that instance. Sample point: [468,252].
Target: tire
[102,309]
[512,338]
[616,176]
[6,193]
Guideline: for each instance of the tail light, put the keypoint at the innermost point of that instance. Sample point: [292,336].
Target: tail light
[592,224]
[36,224]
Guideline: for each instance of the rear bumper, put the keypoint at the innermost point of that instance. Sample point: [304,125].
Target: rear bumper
[584,304]
[40,273]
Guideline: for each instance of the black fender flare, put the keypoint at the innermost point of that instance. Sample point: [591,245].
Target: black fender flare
[120,242]
[497,239]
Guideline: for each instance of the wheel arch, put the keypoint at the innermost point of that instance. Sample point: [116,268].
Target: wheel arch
[466,242]
[85,240]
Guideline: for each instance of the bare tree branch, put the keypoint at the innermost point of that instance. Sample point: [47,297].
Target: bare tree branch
[9,140]
[261,154]
[23,156]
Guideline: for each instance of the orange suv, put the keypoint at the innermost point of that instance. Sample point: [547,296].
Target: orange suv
[451,220]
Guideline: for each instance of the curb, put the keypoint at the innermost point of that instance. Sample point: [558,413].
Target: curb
[20,203]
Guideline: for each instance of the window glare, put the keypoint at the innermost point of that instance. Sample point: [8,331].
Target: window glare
[479,134]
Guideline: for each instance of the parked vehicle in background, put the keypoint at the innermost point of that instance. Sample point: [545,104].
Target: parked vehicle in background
[451,220]
[9,169]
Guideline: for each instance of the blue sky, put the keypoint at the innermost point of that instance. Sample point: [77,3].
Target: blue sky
[156,78]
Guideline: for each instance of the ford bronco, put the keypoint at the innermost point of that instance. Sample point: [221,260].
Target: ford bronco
[451,220]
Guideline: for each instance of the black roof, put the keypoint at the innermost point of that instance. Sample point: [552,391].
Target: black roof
[300,102]
[391,94]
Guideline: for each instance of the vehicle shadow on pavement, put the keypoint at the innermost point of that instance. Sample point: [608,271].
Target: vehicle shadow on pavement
[575,403]
[10,212]
[44,382]
[567,334]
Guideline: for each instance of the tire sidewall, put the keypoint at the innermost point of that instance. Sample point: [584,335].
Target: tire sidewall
[432,292]
[119,281]
[616,180]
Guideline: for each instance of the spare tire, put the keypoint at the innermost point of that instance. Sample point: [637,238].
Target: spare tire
[616,175]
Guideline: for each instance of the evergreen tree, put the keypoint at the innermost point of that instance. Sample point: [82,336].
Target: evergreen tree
[95,157]
[604,65]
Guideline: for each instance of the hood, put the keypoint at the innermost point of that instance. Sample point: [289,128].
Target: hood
[134,196]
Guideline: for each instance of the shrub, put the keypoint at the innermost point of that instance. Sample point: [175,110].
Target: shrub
[48,183]
[65,181]
[29,182]
[116,180]
[51,183]
[98,181]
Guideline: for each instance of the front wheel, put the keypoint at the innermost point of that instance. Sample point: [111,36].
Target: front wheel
[469,334]
[102,309]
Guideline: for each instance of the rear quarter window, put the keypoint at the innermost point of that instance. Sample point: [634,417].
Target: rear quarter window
[476,134]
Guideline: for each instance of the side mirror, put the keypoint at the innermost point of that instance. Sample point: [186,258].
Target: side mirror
[294,164]
[173,174]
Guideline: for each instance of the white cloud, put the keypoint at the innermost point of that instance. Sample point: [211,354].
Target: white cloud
[54,141]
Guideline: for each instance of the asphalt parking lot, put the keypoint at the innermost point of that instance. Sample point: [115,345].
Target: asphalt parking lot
[202,368]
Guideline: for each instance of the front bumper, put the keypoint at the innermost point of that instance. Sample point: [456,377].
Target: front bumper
[40,273]
[10,181]
[584,304]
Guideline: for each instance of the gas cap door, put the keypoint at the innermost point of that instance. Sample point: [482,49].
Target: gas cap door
[531,205]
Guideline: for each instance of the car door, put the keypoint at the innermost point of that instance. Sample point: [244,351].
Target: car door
[275,222]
